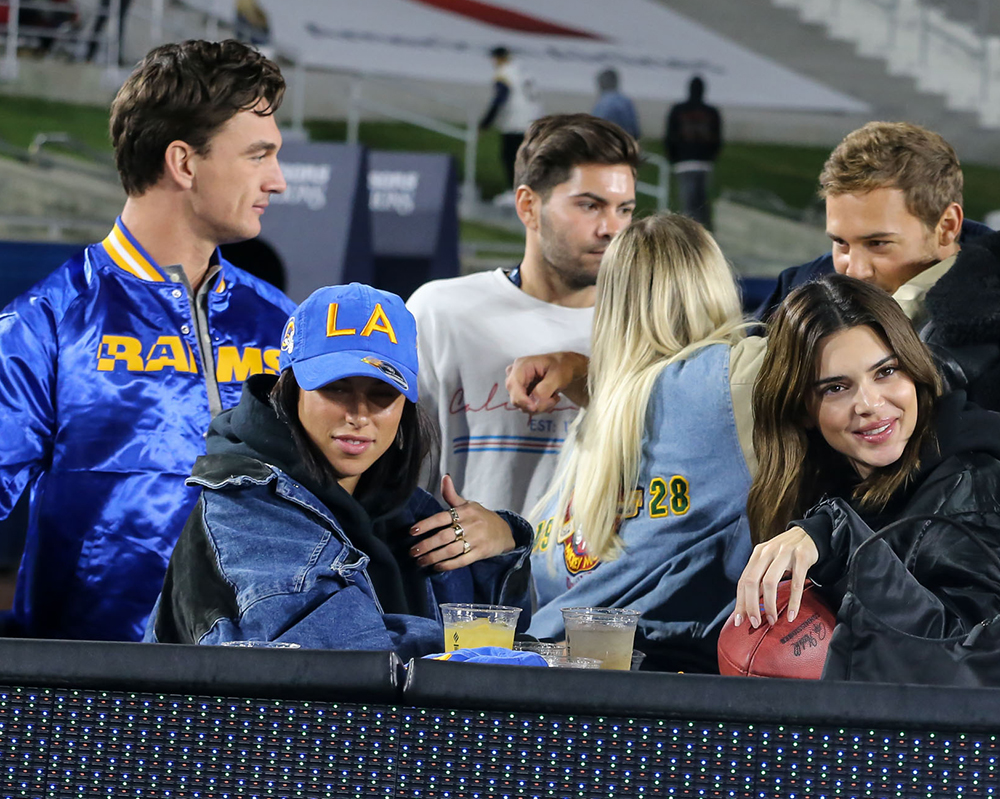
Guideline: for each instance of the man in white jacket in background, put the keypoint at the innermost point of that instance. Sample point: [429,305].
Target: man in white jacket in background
[513,107]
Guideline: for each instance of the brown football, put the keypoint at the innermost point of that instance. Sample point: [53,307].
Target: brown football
[785,649]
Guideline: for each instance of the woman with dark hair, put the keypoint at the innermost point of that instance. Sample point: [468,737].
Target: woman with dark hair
[310,528]
[851,434]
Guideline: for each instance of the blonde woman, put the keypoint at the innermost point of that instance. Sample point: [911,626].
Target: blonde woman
[654,476]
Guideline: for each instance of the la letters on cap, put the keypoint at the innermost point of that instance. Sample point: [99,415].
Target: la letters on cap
[378,322]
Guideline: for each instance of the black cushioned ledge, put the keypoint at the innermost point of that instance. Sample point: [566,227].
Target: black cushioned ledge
[314,674]
[431,683]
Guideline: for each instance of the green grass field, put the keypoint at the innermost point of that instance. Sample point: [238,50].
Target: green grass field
[23,117]
[784,171]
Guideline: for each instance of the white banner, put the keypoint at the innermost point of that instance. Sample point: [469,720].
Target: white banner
[562,44]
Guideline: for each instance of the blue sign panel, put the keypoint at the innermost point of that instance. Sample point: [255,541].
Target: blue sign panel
[320,227]
[413,203]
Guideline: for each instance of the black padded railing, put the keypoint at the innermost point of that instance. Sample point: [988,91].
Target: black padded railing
[110,719]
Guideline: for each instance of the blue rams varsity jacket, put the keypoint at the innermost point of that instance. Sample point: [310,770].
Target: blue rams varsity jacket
[110,372]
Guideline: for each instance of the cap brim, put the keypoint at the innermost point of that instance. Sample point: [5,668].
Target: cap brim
[316,372]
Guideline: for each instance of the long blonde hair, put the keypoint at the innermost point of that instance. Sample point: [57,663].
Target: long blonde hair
[664,291]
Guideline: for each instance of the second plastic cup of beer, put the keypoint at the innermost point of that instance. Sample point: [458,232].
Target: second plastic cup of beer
[606,634]
[467,626]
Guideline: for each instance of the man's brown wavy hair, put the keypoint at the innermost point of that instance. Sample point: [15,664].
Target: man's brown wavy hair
[553,145]
[896,155]
[186,92]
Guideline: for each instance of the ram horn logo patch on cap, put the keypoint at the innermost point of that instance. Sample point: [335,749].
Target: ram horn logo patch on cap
[388,370]
[287,338]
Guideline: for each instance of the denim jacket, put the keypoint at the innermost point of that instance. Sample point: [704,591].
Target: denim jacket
[684,531]
[292,574]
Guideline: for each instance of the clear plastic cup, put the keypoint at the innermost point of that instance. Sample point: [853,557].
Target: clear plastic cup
[567,662]
[605,634]
[468,626]
[548,650]
[263,644]
[637,658]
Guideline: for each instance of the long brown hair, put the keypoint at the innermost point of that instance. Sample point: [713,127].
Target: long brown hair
[796,465]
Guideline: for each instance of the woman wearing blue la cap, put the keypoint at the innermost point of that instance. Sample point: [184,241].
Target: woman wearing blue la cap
[310,528]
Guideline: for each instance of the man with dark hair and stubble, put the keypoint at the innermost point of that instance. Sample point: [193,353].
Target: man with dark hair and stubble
[574,190]
[115,364]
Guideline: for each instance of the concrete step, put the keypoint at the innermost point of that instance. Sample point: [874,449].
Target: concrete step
[56,203]
[779,34]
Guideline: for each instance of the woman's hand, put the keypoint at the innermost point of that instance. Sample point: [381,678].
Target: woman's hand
[471,533]
[792,552]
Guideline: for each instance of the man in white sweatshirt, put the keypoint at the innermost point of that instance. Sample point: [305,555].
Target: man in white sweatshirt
[574,190]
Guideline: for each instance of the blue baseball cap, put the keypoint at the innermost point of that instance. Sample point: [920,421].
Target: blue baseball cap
[351,331]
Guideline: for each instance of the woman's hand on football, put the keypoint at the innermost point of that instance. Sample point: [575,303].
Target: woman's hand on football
[790,553]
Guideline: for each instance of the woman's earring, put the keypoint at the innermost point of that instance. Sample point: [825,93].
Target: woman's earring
[399,437]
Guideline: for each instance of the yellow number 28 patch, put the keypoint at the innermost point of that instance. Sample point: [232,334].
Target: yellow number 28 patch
[669,496]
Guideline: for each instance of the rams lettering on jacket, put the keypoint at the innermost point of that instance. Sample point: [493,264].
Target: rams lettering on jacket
[232,364]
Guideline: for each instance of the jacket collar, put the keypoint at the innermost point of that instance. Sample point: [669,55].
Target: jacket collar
[229,470]
[128,254]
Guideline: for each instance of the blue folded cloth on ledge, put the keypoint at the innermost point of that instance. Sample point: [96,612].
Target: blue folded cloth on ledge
[491,654]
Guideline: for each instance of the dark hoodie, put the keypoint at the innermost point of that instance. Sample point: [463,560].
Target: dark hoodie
[694,128]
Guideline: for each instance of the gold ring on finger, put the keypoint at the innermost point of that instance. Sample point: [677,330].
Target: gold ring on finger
[454,515]
[465,547]
[459,532]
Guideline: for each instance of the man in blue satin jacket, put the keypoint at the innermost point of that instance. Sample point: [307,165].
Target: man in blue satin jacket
[112,368]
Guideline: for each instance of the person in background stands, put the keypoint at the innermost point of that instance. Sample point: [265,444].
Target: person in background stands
[101,20]
[513,107]
[614,106]
[114,365]
[692,142]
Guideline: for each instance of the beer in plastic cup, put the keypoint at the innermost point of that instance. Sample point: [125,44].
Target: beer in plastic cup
[605,634]
[467,626]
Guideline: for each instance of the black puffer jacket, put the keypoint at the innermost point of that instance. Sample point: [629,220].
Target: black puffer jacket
[963,321]
[944,582]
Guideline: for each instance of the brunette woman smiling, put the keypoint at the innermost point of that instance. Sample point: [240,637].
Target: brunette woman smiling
[851,434]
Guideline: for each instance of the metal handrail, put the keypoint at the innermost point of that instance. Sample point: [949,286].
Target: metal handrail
[72,143]
[661,189]
[469,134]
